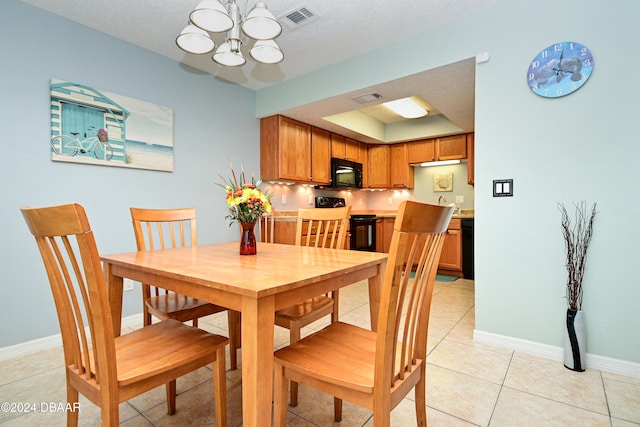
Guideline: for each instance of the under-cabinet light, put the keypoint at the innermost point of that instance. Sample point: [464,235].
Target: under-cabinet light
[440,163]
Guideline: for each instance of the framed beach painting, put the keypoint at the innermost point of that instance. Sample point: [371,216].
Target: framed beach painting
[92,126]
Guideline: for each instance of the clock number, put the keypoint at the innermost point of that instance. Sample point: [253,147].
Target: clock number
[557,47]
[531,76]
[544,54]
[535,64]
[587,62]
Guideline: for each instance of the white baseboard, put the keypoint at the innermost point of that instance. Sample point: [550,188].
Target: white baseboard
[593,361]
[33,346]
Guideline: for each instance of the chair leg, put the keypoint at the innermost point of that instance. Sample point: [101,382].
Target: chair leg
[294,337]
[147,318]
[235,337]
[337,409]
[171,397]
[194,322]
[421,402]
[279,397]
[335,295]
[220,387]
[72,400]
[110,412]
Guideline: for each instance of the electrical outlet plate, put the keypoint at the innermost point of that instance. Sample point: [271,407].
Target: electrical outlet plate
[284,199]
[459,199]
[128,284]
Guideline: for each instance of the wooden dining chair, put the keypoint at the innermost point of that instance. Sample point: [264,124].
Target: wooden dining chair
[104,368]
[376,370]
[325,228]
[173,228]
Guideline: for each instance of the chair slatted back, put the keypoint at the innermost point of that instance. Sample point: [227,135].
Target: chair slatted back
[162,229]
[326,228]
[417,240]
[70,255]
[267,227]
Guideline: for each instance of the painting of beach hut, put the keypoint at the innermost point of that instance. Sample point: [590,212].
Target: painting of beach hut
[93,126]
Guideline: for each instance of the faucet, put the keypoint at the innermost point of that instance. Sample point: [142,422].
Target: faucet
[441,199]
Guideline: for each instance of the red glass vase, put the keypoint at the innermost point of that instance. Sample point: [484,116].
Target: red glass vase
[247,238]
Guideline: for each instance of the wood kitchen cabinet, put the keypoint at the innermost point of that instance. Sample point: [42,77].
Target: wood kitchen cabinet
[286,151]
[470,159]
[451,147]
[320,156]
[421,151]
[345,148]
[379,158]
[451,256]
[401,174]
[384,231]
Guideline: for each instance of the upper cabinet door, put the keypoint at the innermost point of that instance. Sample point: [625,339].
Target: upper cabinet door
[401,174]
[285,149]
[337,146]
[451,147]
[320,156]
[379,161]
[422,151]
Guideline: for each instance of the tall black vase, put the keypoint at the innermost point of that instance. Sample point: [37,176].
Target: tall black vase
[574,341]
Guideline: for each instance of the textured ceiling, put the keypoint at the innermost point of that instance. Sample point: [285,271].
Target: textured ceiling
[340,30]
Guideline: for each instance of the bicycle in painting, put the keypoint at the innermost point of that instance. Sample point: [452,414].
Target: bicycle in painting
[66,145]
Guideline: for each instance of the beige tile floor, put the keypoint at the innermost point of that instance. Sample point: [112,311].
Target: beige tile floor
[468,384]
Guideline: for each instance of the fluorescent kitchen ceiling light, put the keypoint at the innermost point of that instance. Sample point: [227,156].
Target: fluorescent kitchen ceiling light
[440,163]
[407,108]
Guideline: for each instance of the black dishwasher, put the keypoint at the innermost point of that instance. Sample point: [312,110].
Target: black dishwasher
[467,248]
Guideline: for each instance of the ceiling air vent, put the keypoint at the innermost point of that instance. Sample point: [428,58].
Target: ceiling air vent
[298,17]
[363,99]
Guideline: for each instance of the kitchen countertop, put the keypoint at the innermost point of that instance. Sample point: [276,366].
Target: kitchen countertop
[292,215]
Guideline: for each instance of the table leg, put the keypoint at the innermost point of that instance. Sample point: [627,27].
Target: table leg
[114,288]
[375,294]
[257,360]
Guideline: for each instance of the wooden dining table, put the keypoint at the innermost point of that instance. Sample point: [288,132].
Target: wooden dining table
[256,286]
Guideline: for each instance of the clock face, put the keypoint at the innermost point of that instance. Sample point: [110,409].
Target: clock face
[560,69]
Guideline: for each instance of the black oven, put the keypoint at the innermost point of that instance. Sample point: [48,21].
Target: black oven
[362,228]
[362,231]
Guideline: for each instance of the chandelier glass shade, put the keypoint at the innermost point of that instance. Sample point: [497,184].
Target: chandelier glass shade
[211,16]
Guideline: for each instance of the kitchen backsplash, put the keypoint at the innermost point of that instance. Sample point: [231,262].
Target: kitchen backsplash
[293,197]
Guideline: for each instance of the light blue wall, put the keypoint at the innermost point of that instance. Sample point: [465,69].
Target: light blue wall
[581,147]
[212,120]
[564,150]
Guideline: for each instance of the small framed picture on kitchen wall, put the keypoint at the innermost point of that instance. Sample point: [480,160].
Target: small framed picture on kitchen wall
[443,182]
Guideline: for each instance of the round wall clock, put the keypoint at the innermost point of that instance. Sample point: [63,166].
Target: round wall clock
[560,69]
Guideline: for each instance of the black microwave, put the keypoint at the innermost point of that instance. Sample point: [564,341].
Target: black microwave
[345,174]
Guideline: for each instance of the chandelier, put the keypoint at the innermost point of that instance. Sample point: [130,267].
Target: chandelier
[210,16]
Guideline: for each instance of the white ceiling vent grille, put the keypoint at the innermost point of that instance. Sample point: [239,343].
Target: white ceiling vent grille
[298,17]
[363,99]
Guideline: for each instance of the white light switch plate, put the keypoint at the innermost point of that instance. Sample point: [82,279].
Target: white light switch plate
[459,199]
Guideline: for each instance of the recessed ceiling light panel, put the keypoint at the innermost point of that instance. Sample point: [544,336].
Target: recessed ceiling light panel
[407,108]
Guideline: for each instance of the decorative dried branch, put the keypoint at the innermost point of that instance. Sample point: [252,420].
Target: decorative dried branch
[577,239]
